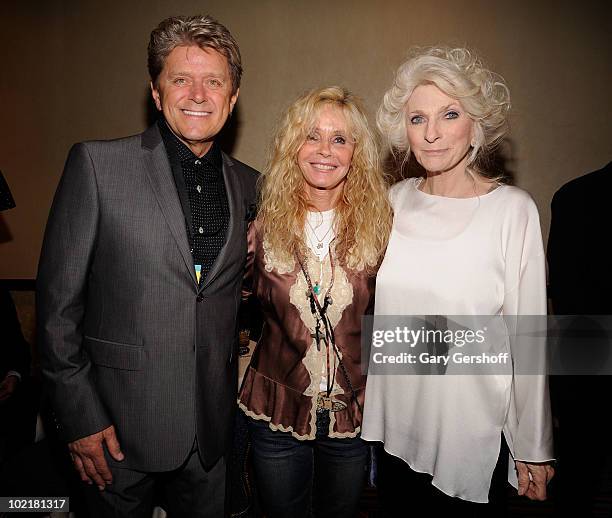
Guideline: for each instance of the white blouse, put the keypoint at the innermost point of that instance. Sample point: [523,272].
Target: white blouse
[461,256]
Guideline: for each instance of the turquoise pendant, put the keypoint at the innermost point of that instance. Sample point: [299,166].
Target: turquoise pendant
[316,288]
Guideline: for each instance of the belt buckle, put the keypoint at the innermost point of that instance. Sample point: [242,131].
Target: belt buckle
[325,402]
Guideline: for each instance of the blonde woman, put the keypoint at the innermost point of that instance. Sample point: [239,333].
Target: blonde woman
[463,243]
[314,249]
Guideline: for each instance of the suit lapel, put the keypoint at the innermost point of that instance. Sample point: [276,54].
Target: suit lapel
[160,176]
[232,188]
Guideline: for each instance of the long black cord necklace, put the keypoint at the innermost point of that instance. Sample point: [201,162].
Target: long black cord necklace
[327,337]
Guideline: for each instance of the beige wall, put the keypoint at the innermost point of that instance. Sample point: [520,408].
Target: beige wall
[75,70]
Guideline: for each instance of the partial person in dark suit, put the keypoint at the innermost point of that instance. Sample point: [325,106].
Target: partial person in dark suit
[139,287]
[16,416]
[6,198]
[16,413]
[581,284]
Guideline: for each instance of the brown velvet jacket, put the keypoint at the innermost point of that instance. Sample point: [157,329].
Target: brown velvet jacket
[282,383]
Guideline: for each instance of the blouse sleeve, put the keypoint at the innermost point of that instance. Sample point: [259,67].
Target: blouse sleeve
[528,427]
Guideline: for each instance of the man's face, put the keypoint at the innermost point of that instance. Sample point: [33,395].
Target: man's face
[194,92]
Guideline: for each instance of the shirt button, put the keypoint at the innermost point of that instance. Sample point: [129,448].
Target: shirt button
[198,162]
[201,230]
[199,188]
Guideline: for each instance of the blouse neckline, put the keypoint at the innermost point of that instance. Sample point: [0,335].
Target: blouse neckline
[418,181]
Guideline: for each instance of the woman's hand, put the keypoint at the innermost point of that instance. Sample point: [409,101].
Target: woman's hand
[532,479]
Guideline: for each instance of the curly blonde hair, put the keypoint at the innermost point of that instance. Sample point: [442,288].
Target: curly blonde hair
[459,73]
[362,215]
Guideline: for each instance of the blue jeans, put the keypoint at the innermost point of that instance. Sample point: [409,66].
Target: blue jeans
[298,479]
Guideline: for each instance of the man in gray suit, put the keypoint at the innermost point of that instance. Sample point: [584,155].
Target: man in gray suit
[138,289]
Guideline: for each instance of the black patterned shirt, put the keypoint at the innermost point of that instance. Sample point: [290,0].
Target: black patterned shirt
[208,218]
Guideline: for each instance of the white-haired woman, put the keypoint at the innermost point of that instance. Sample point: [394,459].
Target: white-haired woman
[463,243]
[321,230]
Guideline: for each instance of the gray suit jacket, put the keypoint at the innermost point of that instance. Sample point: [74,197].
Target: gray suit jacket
[126,336]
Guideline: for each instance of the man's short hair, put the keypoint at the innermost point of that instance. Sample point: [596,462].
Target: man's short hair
[203,31]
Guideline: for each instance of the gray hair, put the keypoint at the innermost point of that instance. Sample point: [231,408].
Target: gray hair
[203,31]
[460,74]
